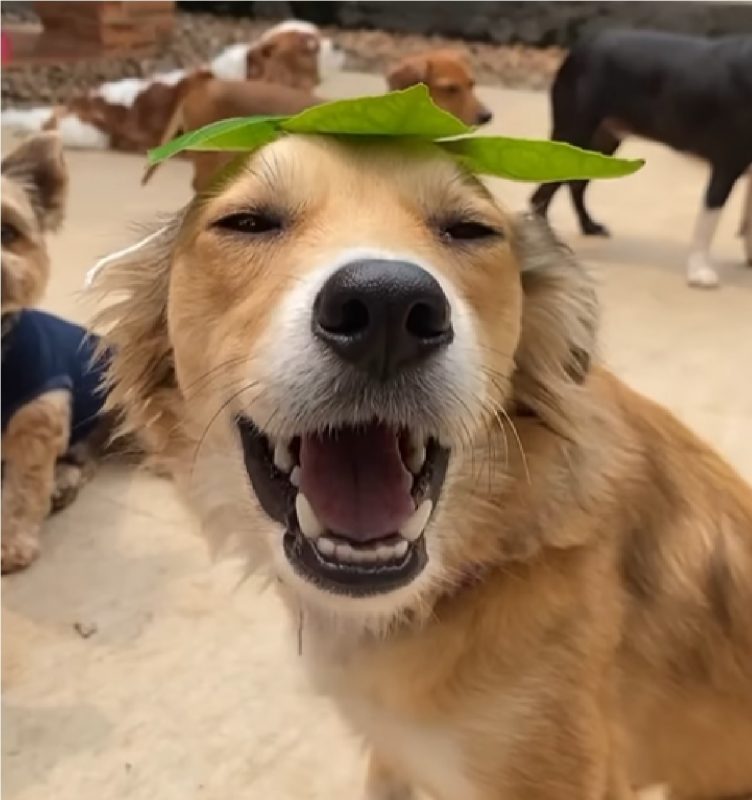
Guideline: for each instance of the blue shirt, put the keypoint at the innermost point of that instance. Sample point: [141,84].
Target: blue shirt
[41,353]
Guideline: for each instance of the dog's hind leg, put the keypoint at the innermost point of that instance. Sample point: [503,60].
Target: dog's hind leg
[542,197]
[700,269]
[604,142]
[36,436]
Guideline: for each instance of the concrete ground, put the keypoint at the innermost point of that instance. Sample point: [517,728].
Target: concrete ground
[134,668]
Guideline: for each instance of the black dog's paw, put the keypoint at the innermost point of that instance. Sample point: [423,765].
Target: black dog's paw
[591,228]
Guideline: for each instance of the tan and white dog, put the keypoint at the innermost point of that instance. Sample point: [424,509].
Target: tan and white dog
[131,114]
[517,577]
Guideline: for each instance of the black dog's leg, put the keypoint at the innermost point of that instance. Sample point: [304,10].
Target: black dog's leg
[542,197]
[700,269]
[604,142]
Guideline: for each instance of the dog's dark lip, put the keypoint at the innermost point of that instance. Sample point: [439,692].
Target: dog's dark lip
[276,495]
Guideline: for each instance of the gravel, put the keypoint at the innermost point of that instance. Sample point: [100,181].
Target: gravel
[198,37]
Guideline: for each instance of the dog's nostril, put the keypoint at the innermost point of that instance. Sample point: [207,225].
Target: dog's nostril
[428,320]
[346,319]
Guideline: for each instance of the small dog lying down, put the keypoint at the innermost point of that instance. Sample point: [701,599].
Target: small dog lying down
[693,94]
[50,397]
[517,577]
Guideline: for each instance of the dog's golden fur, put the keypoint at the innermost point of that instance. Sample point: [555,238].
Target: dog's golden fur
[34,190]
[583,629]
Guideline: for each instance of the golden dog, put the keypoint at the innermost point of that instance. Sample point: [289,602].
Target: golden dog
[516,577]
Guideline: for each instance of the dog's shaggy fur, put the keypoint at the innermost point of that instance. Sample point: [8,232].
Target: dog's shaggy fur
[42,469]
[581,628]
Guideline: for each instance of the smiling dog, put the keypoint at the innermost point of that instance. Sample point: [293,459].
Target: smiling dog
[516,577]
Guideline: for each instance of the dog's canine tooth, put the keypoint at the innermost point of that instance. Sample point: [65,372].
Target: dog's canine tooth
[325,546]
[417,453]
[283,459]
[295,477]
[400,549]
[307,519]
[413,528]
[416,459]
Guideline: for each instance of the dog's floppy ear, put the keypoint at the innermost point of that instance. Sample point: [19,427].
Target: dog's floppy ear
[38,164]
[256,58]
[408,72]
[140,378]
[559,325]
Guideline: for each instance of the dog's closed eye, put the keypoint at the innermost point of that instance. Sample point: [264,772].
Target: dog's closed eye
[251,222]
[467,230]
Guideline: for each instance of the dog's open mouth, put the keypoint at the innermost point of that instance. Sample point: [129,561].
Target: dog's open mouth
[354,502]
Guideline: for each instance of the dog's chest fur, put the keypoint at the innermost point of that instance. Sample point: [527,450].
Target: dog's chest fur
[429,754]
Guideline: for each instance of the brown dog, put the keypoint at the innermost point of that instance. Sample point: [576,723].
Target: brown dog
[517,577]
[212,100]
[449,79]
[50,402]
[132,113]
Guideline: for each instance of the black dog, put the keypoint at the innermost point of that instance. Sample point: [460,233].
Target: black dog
[693,94]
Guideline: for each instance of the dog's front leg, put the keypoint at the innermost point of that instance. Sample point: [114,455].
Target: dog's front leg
[36,436]
[382,783]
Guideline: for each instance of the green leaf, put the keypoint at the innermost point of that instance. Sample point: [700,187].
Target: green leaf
[238,134]
[538,161]
[407,113]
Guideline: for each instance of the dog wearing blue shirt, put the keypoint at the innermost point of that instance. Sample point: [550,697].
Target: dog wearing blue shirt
[51,401]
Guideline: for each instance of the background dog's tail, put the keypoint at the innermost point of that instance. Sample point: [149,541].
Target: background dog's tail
[74,132]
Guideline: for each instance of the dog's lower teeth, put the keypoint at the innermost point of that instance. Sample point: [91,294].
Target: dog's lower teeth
[283,459]
[295,477]
[370,555]
[307,519]
[325,546]
[413,528]
[343,552]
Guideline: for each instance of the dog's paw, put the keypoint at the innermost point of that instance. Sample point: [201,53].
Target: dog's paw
[18,551]
[591,228]
[68,480]
[700,272]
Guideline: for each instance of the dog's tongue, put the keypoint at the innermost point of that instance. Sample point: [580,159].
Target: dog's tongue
[356,482]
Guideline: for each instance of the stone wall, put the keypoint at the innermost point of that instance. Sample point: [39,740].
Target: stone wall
[537,23]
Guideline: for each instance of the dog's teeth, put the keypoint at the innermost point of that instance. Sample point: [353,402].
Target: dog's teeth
[295,477]
[343,552]
[283,459]
[400,550]
[385,552]
[413,528]
[416,455]
[307,519]
[416,459]
[325,546]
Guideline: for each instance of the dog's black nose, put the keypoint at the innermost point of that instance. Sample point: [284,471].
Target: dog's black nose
[484,116]
[382,316]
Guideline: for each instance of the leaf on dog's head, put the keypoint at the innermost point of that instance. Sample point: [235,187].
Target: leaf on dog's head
[536,160]
[238,134]
[408,114]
